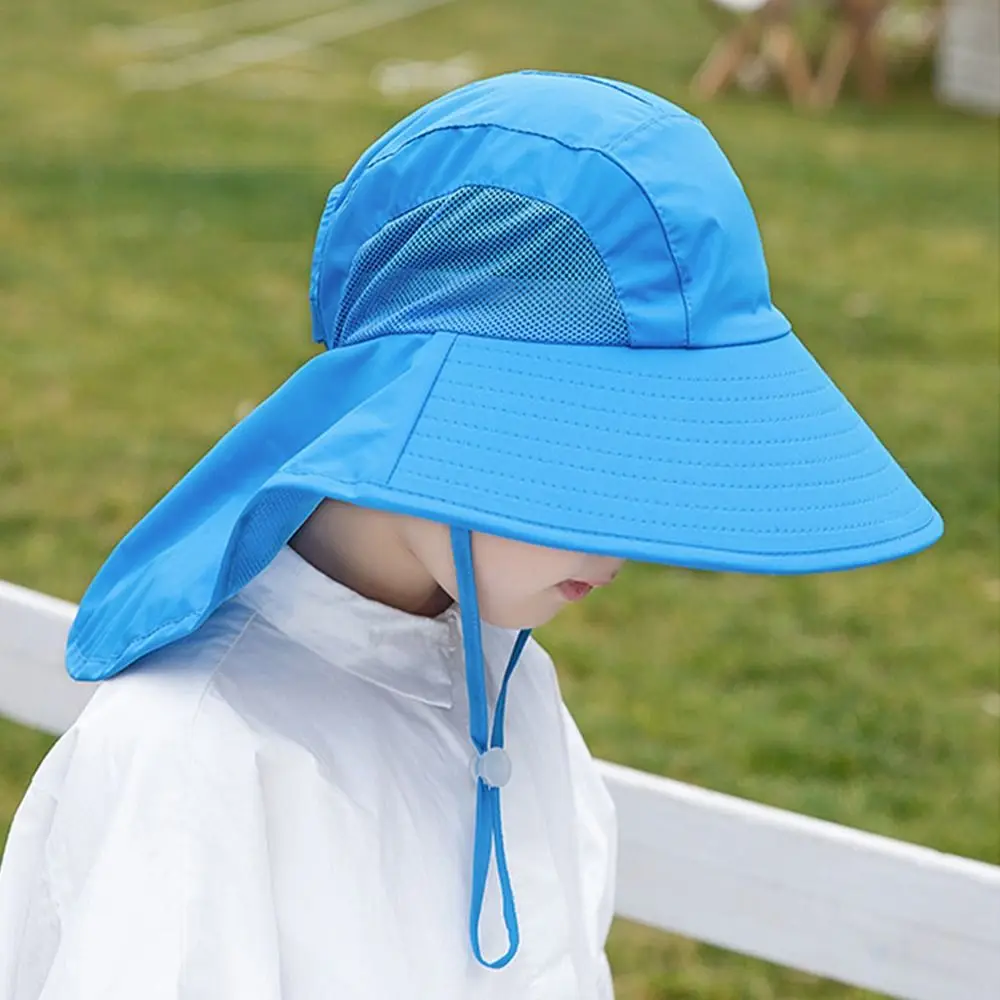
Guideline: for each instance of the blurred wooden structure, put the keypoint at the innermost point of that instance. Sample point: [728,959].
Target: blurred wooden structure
[765,33]
[854,40]
[858,908]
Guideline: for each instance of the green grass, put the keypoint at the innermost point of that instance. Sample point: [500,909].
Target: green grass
[153,264]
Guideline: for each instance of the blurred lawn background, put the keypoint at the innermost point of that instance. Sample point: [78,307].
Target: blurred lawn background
[154,251]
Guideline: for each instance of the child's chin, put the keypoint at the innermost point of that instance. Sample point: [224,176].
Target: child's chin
[521,620]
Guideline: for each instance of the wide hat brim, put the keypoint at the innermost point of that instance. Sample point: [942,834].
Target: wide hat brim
[744,458]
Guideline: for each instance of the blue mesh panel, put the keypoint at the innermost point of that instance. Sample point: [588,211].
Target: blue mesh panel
[487,262]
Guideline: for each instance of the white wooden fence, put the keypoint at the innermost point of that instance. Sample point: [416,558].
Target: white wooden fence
[904,920]
[968,58]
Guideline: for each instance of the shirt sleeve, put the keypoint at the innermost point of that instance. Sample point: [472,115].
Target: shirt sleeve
[137,866]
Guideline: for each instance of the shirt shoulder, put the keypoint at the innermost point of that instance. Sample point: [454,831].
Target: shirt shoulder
[157,700]
[149,738]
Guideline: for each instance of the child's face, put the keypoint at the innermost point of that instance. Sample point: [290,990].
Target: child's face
[518,585]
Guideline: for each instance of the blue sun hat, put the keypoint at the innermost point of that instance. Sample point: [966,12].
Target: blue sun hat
[547,316]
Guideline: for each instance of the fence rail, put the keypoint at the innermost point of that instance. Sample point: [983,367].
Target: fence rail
[862,909]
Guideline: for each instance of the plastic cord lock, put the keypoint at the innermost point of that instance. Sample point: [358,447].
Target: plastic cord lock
[493,767]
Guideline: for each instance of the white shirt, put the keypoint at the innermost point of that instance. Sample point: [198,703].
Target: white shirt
[281,807]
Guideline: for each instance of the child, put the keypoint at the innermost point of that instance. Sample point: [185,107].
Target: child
[550,348]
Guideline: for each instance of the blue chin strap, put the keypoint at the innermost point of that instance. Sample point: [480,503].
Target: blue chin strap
[492,765]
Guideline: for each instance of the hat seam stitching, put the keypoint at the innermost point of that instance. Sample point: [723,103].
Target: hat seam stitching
[624,390]
[681,420]
[591,450]
[704,548]
[675,524]
[322,239]
[682,276]
[615,85]
[822,484]
[420,412]
[658,377]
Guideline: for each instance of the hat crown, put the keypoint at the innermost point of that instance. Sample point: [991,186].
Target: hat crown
[546,207]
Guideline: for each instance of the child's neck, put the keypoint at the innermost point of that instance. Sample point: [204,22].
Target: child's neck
[362,549]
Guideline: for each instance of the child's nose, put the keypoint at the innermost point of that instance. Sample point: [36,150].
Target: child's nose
[610,568]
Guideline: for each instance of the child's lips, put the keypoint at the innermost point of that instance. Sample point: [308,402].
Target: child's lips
[575,590]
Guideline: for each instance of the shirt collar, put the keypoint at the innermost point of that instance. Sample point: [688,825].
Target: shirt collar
[409,654]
